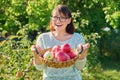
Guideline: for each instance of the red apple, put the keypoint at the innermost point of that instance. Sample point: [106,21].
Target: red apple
[61,56]
[55,49]
[71,54]
[65,48]
[68,57]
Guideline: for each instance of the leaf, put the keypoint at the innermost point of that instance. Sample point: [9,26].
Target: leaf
[13,37]
[3,42]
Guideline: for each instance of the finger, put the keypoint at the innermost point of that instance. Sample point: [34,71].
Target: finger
[84,53]
[33,48]
[86,46]
[38,48]
[79,46]
[81,50]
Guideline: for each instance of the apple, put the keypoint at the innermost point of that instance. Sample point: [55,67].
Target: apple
[65,48]
[68,57]
[55,49]
[47,55]
[71,54]
[61,56]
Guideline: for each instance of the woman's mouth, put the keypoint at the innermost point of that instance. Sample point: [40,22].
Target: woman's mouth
[58,25]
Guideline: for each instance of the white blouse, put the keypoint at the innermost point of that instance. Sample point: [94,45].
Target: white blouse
[47,40]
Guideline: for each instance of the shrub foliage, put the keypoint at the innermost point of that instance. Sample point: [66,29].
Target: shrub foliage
[21,21]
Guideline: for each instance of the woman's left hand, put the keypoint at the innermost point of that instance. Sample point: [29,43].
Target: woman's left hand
[85,50]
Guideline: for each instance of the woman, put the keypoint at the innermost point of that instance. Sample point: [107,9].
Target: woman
[61,32]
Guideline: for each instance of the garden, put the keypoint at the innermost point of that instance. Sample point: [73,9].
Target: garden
[22,21]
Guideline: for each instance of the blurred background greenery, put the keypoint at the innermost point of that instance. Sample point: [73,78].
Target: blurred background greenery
[21,21]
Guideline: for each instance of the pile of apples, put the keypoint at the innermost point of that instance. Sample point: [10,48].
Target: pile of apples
[60,53]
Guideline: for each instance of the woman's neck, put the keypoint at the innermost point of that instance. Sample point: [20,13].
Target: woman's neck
[61,36]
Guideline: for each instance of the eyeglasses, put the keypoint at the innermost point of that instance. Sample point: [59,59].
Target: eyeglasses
[62,19]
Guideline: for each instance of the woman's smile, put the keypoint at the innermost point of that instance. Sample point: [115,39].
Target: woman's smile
[58,25]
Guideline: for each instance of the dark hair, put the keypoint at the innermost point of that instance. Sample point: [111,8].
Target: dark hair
[66,12]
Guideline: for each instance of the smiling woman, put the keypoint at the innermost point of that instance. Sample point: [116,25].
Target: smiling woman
[61,32]
[61,17]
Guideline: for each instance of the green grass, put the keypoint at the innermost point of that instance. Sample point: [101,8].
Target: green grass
[107,69]
[111,69]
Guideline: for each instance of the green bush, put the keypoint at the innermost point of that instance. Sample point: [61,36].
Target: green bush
[109,45]
[21,21]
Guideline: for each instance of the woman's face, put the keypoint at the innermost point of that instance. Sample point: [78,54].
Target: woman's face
[59,21]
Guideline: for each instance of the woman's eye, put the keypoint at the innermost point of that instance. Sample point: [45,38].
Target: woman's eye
[63,18]
[59,18]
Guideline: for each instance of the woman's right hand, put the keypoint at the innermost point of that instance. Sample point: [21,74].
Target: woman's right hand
[85,48]
[36,56]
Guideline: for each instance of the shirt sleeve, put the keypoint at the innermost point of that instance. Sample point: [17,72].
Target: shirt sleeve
[80,64]
[40,43]
[39,66]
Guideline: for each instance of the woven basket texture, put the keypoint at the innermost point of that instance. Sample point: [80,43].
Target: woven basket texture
[56,64]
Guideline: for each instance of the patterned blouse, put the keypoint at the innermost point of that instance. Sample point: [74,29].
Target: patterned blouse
[47,40]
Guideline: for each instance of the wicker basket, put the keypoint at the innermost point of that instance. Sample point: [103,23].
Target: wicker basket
[55,64]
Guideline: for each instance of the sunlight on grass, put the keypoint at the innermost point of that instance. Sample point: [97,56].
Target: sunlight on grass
[109,74]
[112,74]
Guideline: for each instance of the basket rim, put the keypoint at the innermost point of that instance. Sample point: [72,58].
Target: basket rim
[43,51]
[59,61]
[58,64]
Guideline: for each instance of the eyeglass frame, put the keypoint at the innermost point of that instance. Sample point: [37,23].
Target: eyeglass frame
[55,18]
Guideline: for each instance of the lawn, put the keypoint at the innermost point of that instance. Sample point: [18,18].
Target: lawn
[110,69]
